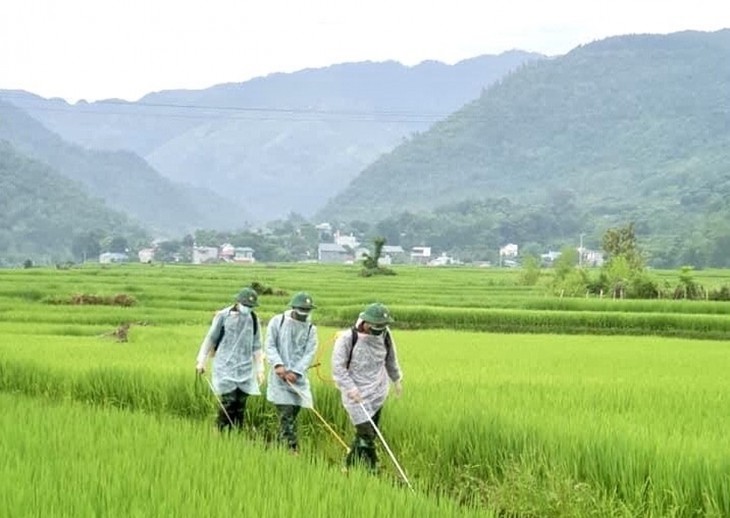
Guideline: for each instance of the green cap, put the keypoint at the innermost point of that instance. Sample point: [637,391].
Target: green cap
[248,297]
[302,300]
[376,314]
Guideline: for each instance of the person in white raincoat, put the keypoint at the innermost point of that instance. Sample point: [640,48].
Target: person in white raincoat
[234,339]
[291,342]
[364,360]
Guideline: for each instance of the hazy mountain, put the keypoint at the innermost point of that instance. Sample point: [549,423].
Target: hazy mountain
[629,127]
[284,142]
[43,212]
[121,178]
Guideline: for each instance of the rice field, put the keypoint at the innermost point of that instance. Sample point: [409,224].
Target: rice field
[601,408]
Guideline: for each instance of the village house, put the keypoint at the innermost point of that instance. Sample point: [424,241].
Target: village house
[227,252]
[443,260]
[324,231]
[332,253]
[243,254]
[510,250]
[392,254]
[113,257]
[349,241]
[204,254]
[146,255]
[590,257]
[421,254]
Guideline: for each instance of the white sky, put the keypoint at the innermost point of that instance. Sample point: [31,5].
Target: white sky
[98,49]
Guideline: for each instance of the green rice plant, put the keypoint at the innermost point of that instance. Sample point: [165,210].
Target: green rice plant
[598,411]
[626,426]
[66,460]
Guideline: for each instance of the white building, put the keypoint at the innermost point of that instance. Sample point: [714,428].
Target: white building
[350,241]
[227,252]
[332,253]
[324,231]
[113,257]
[421,254]
[146,255]
[510,250]
[550,256]
[443,260]
[243,254]
[590,257]
[204,254]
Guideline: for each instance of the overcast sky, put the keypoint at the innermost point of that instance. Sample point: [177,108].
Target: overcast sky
[98,49]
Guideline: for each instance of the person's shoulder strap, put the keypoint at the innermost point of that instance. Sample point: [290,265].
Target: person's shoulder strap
[388,343]
[353,341]
[222,315]
[255,318]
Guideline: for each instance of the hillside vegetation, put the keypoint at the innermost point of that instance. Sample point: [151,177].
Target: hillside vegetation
[629,128]
[121,178]
[284,142]
[43,214]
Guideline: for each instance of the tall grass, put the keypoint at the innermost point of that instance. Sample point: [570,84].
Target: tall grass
[67,460]
[639,421]
[529,425]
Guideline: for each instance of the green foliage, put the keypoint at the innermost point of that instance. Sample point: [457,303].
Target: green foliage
[687,287]
[119,299]
[50,218]
[577,425]
[621,242]
[530,273]
[623,275]
[370,264]
[123,180]
[630,127]
[566,263]
[143,474]
[299,157]
[263,289]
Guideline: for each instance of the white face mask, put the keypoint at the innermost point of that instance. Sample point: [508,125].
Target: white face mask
[244,310]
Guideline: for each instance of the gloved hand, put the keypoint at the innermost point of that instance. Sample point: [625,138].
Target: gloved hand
[260,377]
[398,386]
[291,377]
[200,368]
[355,395]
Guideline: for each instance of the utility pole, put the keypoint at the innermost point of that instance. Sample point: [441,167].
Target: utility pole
[580,251]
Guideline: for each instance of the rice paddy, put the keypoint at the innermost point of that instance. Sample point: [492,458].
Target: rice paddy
[516,402]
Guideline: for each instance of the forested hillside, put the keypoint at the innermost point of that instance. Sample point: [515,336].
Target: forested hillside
[280,143]
[629,128]
[121,178]
[45,216]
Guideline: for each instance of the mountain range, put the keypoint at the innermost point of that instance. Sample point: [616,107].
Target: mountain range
[629,128]
[516,147]
[123,180]
[43,213]
[281,143]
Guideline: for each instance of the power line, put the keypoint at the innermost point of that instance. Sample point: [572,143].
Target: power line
[256,112]
[261,113]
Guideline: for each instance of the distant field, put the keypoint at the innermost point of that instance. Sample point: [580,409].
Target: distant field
[556,422]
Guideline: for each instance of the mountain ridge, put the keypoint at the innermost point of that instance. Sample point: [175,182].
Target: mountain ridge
[291,140]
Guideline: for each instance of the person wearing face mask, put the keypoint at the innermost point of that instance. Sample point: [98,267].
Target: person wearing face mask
[291,343]
[364,361]
[234,341]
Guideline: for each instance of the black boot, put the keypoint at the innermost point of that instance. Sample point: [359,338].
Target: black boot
[287,425]
[231,415]
[363,447]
